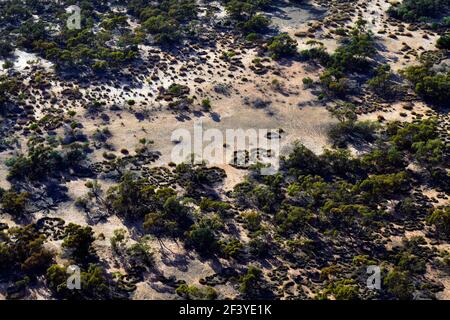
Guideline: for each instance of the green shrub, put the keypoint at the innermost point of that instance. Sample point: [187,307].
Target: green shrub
[440,218]
[282,46]
[399,284]
[444,42]
[249,283]
[15,203]
[256,24]
[78,241]
[414,10]
[432,86]
[202,238]
[196,293]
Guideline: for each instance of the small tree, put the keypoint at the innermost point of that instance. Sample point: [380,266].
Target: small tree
[282,46]
[250,281]
[399,284]
[15,203]
[444,42]
[78,241]
[440,218]
[203,238]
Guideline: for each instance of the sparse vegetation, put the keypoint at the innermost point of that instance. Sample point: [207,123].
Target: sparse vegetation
[89,124]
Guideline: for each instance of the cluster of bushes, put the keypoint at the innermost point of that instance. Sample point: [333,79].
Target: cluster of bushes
[348,130]
[161,211]
[383,84]
[165,20]
[431,85]
[337,194]
[444,42]
[9,89]
[337,189]
[79,48]
[44,161]
[94,283]
[246,17]
[354,55]
[22,252]
[113,45]
[440,218]
[253,285]
[401,271]
[194,178]
[24,258]
[282,46]
[245,10]
[172,221]
[5,49]
[421,140]
[14,203]
[134,197]
[78,242]
[345,289]
[416,10]
[196,293]
[253,25]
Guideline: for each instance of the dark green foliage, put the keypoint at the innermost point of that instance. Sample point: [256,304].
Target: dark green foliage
[253,285]
[259,246]
[244,10]
[414,10]
[384,159]
[82,49]
[349,215]
[293,219]
[440,218]
[356,50]
[165,31]
[208,205]
[5,49]
[78,241]
[399,284]
[256,24]
[407,261]
[343,290]
[302,161]
[22,251]
[132,198]
[341,163]
[249,282]
[164,19]
[15,203]
[383,84]
[348,130]
[9,89]
[378,187]
[173,220]
[444,42]
[77,48]
[282,46]
[433,87]
[316,53]
[231,248]
[355,54]
[194,178]
[422,140]
[44,161]
[196,293]
[139,255]
[94,283]
[252,220]
[202,237]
